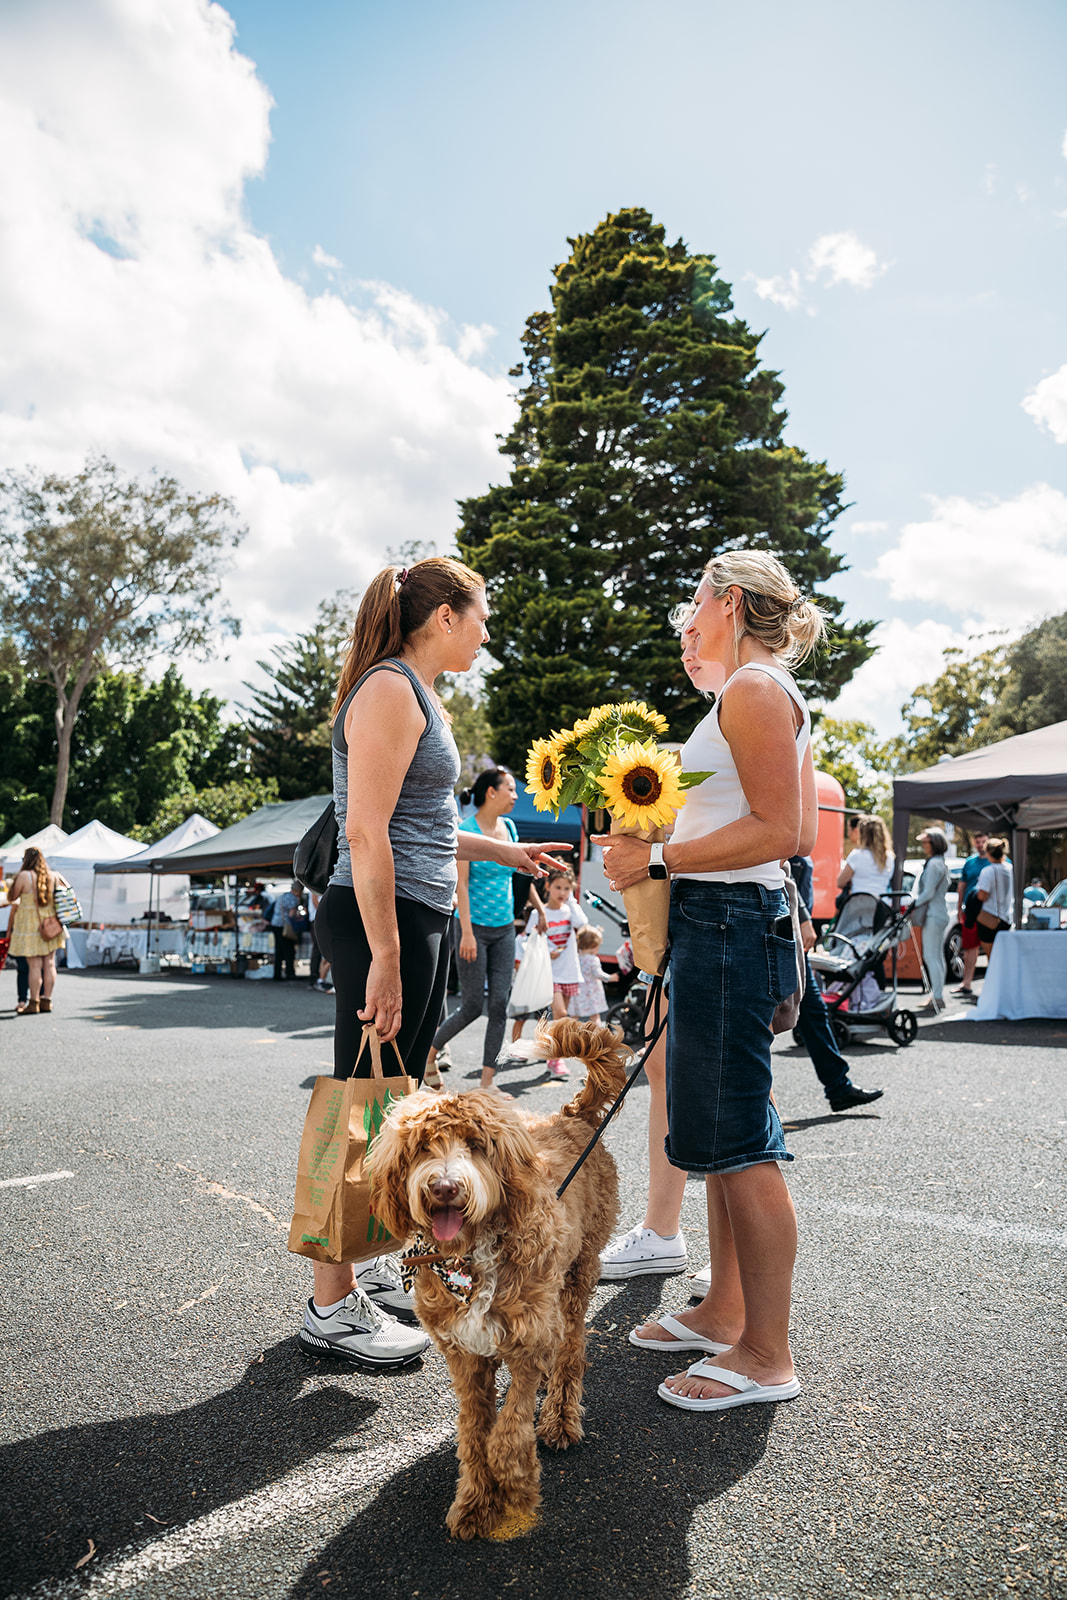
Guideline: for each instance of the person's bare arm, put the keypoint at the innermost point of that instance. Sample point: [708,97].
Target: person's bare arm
[758,723]
[844,877]
[809,805]
[532,859]
[468,944]
[383,727]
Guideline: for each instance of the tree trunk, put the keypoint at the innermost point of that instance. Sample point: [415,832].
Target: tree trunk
[64,730]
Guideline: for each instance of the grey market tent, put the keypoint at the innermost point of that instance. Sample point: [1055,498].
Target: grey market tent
[263,842]
[1013,787]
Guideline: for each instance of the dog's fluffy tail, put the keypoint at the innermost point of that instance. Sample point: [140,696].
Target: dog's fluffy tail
[601,1049]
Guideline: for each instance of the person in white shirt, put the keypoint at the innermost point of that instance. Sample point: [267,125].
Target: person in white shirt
[996,891]
[563,916]
[868,869]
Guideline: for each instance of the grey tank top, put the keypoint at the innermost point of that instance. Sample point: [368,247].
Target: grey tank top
[424,823]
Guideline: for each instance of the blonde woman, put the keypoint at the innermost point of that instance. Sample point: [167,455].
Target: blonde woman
[36,931]
[868,868]
[732,962]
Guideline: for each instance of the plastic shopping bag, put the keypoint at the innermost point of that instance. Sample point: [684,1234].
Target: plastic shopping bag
[532,989]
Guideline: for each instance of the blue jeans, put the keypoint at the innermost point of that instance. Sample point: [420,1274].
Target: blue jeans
[729,970]
[813,1026]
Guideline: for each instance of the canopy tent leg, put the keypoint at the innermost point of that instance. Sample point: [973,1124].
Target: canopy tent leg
[1020,849]
[901,824]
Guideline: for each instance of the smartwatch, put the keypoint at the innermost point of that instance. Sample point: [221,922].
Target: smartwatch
[656,868]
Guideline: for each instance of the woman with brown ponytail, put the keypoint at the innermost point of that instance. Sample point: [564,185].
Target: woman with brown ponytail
[384,920]
[36,931]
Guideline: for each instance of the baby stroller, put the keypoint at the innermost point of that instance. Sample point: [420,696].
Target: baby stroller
[854,949]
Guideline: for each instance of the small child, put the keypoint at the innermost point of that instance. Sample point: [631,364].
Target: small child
[590,1003]
[564,917]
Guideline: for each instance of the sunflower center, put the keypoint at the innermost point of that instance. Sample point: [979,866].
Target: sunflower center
[642,786]
[548,772]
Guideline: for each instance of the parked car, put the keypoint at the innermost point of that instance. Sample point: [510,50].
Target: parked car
[1057,901]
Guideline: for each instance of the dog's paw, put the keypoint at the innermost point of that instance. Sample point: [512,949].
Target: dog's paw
[468,1519]
[560,1429]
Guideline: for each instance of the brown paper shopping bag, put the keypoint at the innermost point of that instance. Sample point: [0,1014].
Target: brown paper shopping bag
[648,907]
[332,1219]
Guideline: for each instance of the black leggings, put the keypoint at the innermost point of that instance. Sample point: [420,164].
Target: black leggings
[424,950]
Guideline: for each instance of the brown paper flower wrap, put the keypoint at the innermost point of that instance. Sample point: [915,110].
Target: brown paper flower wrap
[610,760]
[648,906]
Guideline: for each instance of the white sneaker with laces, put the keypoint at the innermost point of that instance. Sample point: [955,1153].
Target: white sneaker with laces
[361,1334]
[643,1251]
[701,1283]
[381,1282]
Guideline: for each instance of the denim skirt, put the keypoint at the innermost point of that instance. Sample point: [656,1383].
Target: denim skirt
[729,970]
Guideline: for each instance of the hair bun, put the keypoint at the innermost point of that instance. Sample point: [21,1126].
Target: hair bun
[466,796]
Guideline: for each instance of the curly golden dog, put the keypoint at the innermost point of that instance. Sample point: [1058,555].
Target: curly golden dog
[477,1180]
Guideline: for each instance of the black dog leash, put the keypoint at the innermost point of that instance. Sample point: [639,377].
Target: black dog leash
[655,995]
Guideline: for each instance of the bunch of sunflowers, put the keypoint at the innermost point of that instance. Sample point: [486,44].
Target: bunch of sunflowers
[610,760]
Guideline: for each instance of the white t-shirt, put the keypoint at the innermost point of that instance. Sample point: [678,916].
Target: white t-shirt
[563,924]
[998,881]
[867,876]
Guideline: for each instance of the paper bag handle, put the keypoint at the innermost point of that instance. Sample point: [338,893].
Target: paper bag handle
[370,1036]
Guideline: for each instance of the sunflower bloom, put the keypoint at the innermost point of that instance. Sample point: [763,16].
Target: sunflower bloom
[641,785]
[636,711]
[544,774]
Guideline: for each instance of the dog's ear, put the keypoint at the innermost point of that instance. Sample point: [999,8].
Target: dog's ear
[387,1168]
[528,1193]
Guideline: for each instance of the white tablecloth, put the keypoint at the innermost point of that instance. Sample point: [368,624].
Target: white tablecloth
[1027,977]
[86,947]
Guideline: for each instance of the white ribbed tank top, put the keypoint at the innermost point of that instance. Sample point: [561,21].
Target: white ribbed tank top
[720,799]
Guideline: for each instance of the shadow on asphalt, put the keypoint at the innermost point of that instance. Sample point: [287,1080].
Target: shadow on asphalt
[1048,1032]
[164,1001]
[106,1481]
[616,1509]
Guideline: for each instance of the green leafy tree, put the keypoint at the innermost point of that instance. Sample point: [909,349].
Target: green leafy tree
[649,438]
[851,751]
[101,572]
[1035,692]
[224,804]
[288,723]
[952,714]
[470,727]
[139,742]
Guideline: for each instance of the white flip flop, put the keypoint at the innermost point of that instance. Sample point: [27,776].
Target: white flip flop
[749,1392]
[681,1338]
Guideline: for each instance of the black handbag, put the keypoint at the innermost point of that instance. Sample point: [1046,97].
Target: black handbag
[316,855]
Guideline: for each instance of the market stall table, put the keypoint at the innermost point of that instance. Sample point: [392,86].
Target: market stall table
[96,947]
[1027,977]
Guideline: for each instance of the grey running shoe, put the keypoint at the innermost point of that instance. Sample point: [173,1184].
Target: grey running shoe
[358,1332]
[643,1251]
[381,1282]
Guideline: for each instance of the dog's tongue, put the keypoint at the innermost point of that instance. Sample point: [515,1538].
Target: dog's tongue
[447,1223]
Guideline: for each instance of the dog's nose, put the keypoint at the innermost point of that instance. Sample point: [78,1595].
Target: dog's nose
[445,1190]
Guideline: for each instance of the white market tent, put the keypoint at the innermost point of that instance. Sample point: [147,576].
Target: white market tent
[102,900]
[49,842]
[1015,787]
[170,893]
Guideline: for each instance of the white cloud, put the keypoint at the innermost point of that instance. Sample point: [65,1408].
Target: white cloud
[909,654]
[834,258]
[868,529]
[844,259]
[321,259]
[141,315]
[1002,561]
[786,292]
[1048,404]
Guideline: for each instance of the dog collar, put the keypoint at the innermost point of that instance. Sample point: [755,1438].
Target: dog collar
[453,1271]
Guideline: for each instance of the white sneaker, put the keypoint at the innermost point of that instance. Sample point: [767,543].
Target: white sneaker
[358,1332]
[381,1282]
[643,1251]
[700,1283]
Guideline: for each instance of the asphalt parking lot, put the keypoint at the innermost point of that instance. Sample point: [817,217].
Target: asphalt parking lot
[163,1436]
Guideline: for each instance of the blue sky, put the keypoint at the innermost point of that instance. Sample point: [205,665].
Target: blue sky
[886,188]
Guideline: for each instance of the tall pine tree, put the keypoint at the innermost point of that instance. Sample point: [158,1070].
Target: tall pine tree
[288,723]
[648,439]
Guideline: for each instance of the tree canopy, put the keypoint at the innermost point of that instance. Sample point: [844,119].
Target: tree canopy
[288,721]
[649,438]
[101,571]
[139,744]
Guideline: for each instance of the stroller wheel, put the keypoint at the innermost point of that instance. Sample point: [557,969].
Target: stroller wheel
[903,1027]
[841,1033]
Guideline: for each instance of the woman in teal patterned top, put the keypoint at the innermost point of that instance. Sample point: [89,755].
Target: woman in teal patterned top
[484,926]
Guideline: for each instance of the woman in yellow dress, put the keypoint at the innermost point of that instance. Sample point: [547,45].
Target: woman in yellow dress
[32,899]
